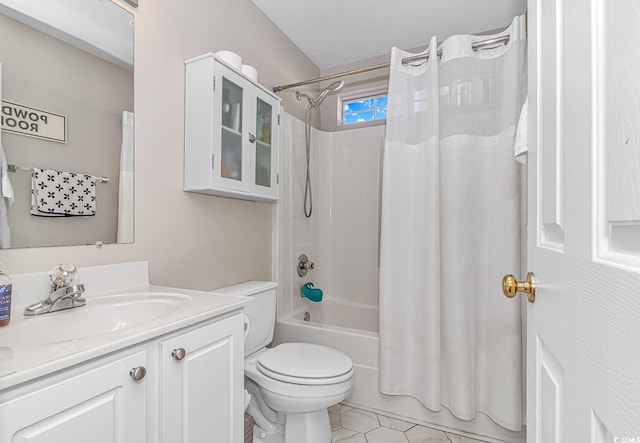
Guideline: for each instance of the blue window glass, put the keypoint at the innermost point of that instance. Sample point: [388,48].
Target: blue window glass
[364,109]
[381,102]
[357,117]
[358,105]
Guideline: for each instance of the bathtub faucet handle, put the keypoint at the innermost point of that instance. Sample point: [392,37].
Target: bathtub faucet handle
[304,265]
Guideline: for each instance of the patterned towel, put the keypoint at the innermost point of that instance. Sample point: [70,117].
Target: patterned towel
[60,194]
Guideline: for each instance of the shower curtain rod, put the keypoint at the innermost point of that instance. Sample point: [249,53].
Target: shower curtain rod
[482,44]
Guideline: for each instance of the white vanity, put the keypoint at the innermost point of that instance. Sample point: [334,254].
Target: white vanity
[138,363]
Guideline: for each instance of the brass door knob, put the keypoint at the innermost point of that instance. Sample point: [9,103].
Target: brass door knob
[511,286]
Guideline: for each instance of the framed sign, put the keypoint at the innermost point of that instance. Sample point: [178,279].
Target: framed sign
[23,120]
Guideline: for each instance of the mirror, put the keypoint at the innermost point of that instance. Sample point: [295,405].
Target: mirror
[66,79]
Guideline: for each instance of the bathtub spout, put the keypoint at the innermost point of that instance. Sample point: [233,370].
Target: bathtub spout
[313,294]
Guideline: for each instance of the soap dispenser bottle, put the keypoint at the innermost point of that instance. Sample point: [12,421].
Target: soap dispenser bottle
[5,299]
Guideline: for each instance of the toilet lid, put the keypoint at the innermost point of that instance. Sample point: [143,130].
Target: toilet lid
[305,363]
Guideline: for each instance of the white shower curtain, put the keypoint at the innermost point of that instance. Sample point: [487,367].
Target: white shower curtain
[126,196]
[451,229]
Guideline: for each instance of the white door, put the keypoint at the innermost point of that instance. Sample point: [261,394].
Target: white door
[583,362]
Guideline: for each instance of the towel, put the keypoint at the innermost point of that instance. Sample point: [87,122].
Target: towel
[6,191]
[61,194]
[521,146]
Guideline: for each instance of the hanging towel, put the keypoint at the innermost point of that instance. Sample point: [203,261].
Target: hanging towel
[6,191]
[125,196]
[60,194]
[521,146]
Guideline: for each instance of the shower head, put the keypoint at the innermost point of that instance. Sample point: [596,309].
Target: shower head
[313,103]
[333,87]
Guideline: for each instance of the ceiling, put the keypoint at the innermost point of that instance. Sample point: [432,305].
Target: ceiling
[338,32]
[96,26]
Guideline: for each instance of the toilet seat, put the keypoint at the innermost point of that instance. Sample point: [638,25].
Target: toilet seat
[297,394]
[305,363]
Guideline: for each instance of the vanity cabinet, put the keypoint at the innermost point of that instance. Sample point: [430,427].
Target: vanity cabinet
[98,403]
[191,391]
[202,393]
[231,133]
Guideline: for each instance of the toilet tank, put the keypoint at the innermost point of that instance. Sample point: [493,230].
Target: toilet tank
[260,312]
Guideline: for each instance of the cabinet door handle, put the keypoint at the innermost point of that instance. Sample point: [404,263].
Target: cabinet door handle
[138,373]
[179,353]
[252,138]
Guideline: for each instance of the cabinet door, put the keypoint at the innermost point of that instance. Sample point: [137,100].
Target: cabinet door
[265,151]
[230,130]
[201,396]
[102,405]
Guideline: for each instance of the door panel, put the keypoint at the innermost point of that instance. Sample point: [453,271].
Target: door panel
[550,379]
[583,362]
[551,154]
[617,131]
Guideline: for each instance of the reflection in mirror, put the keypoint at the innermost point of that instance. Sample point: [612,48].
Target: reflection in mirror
[66,77]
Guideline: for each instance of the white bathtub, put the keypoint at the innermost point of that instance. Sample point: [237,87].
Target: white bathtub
[335,314]
[353,329]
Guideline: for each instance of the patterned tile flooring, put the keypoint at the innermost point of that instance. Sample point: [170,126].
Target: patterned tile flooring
[351,425]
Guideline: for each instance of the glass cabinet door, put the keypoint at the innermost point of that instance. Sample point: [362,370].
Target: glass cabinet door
[264,123]
[231,147]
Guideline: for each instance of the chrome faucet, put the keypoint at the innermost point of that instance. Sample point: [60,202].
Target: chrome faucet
[63,294]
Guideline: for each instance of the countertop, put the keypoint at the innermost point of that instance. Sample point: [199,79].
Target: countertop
[22,363]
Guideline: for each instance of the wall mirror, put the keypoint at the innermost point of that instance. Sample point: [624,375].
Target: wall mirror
[66,79]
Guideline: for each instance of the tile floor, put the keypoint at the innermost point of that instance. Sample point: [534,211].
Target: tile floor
[351,425]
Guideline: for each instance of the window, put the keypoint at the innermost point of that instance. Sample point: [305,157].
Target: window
[364,109]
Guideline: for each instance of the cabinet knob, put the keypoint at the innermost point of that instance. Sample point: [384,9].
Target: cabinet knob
[252,138]
[179,353]
[138,373]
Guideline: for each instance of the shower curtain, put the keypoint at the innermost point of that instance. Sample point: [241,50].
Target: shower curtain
[125,195]
[451,229]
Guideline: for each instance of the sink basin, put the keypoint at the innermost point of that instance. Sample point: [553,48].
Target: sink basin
[101,315]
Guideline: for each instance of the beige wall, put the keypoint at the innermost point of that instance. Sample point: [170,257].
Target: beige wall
[190,240]
[46,73]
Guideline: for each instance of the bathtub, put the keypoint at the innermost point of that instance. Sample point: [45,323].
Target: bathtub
[344,316]
[353,329]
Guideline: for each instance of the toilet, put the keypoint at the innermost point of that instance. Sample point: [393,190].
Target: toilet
[292,384]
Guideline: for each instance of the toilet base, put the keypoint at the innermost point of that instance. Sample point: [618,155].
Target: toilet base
[259,436]
[310,427]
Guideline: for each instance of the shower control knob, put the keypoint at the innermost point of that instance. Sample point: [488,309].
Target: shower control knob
[511,286]
[304,265]
[179,353]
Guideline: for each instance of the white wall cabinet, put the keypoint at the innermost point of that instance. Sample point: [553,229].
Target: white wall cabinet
[231,133]
[194,399]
